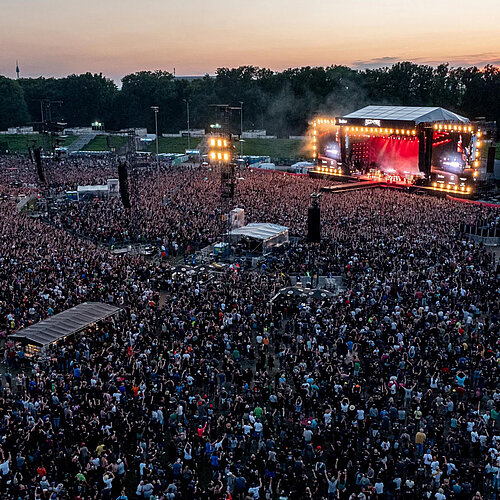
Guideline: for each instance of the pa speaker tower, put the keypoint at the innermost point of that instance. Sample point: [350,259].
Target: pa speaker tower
[490,162]
[314,219]
[38,160]
[314,224]
[123,181]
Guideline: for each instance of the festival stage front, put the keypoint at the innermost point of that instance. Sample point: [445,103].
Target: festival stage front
[399,145]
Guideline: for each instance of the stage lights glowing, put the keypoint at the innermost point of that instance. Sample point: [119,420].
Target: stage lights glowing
[378,131]
[324,121]
[452,128]
[220,149]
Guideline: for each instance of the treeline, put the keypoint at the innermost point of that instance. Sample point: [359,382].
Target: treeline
[281,102]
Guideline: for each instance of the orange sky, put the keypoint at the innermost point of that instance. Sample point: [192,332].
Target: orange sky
[116,37]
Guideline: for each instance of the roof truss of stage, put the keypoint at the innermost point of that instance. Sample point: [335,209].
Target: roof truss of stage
[65,323]
[411,115]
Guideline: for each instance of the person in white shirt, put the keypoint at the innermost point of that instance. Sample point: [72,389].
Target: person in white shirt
[254,490]
[4,467]
[379,487]
[258,428]
[440,494]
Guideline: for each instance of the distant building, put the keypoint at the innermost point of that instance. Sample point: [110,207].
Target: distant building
[195,132]
[256,134]
[20,130]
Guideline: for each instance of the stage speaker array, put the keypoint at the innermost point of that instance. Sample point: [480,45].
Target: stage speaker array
[314,224]
[123,181]
[38,160]
[490,162]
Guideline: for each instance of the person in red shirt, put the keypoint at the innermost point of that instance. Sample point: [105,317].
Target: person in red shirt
[201,429]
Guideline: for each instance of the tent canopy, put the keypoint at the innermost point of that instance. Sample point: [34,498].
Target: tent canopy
[92,189]
[259,231]
[415,114]
[65,323]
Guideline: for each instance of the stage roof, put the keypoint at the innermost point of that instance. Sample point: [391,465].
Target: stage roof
[407,114]
[65,323]
[259,231]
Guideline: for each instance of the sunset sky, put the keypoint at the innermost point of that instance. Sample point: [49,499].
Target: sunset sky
[116,37]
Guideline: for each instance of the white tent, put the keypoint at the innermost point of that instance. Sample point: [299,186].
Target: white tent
[264,235]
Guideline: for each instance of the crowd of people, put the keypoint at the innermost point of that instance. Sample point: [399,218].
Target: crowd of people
[205,388]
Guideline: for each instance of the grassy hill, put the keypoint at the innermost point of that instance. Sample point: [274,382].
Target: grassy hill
[99,143]
[275,148]
[18,143]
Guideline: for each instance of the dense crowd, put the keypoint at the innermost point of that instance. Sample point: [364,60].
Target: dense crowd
[204,388]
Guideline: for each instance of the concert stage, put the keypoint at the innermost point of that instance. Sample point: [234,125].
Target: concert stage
[401,147]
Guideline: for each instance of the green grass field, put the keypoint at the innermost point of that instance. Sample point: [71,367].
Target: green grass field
[275,148]
[172,145]
[18,143]
[99,143]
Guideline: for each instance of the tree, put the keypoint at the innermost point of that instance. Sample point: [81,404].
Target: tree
[144,89]
[13,109]
[281,102]
[86,98]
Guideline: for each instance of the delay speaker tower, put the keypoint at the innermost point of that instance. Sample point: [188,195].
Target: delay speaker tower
[314,219]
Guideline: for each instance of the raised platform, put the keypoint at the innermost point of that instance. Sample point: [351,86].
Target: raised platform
[355,183]
[352,186]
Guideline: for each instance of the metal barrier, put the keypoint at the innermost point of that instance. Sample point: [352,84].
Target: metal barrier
[482,232]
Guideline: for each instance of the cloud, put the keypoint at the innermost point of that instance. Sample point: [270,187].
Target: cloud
[376,62]
[480,60]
